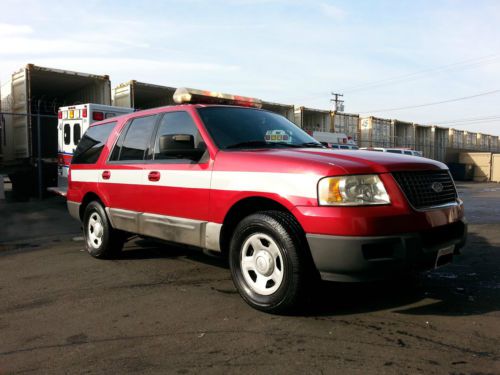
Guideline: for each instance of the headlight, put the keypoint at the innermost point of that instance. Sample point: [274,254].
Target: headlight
[352,191]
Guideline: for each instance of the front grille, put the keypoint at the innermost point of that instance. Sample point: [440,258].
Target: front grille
[418,186]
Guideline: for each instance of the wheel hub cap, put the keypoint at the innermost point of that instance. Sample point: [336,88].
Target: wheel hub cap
[98,230]
[264,263]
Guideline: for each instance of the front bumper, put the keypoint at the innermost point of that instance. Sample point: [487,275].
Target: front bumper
[349,258]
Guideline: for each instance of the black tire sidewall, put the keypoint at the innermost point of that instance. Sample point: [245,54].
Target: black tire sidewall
[262,223]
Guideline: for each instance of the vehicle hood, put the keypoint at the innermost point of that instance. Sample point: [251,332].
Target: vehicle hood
[323,161]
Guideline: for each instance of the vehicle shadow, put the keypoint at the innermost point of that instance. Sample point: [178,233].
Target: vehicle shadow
[469,286]
[145,248]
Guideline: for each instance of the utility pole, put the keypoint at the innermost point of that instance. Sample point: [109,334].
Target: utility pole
[338,104]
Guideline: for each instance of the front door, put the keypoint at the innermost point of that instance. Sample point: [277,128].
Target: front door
[177,178]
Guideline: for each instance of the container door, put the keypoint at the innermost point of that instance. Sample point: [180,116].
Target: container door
[20,123]
[123,96]
[6,105]
[495,168]
[15,127]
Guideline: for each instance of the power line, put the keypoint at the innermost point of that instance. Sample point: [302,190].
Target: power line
[412,76]
[433,103]
[409,76]
[472,123]
[465,120]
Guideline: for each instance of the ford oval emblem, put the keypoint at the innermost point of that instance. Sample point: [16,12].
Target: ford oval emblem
[437,187]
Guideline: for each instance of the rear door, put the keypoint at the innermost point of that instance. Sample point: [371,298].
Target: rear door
[122,179]
[70,130]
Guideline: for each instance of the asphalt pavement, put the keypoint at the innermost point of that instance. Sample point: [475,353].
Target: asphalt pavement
[167,309]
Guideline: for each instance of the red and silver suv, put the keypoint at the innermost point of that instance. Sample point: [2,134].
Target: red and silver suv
[250,184]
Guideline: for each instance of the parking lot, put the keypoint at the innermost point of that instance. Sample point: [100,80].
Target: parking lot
[170,309]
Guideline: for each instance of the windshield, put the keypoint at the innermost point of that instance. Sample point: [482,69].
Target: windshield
[243,128]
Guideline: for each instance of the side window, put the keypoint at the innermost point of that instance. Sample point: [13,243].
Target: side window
[77,133]
[134,144]
[90,147]
[178,140]
[67,134]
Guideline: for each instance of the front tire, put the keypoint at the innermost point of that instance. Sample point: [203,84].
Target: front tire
[101,240]
[268,261]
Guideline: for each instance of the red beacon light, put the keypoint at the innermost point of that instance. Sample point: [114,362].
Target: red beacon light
[98,116]
[185,95]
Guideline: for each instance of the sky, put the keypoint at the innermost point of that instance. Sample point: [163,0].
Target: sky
[429,62]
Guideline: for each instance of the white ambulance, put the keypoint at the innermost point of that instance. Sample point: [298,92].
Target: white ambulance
[72,122]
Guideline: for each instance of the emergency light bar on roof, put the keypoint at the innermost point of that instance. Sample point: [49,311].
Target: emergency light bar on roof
[192,96]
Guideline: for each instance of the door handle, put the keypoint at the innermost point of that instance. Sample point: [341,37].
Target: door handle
[154,176]
[106,175]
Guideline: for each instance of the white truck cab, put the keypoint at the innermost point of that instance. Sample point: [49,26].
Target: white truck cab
[72,122]
[405,151]
[335,140]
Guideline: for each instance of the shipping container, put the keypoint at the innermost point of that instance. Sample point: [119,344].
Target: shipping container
[33,91]
[482,164]
[346,123]
[140,95]
[375,132]
[470,141]
[482,142]
[313,119]
[285,110]
[440,142]
[404,134]
[461,172]
[494,143]
[456,139]
[424,137]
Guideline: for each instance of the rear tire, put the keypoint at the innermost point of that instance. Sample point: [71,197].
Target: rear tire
[269,262]
[101,240]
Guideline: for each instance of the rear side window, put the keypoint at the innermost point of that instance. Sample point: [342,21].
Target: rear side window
[135,140]
[67,134]
[90,147]
[77,133]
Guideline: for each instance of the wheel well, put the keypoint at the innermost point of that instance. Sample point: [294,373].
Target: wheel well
[241,210]
[89,197]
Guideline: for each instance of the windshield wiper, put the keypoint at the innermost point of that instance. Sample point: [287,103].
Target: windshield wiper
[260,144]
[311,144]
[263,144]
[248,144]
